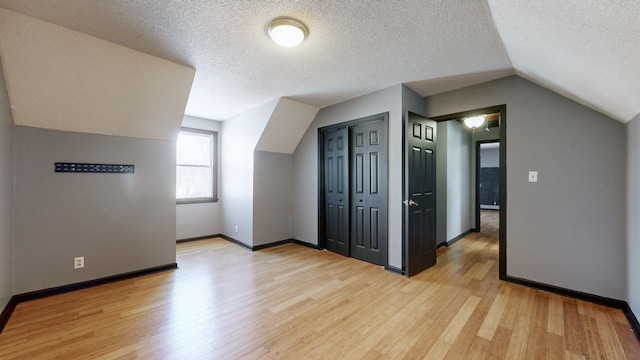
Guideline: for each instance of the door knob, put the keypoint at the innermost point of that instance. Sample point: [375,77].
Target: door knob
[410,202]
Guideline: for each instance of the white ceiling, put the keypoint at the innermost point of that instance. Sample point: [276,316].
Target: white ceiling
[580,49]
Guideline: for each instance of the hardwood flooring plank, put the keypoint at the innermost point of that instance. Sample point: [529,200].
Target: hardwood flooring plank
[499,344]
[438,351]
[477,350]
[555,319]
[612,347]
[554,349]
[518,344]
[573,328]
[455,326]
[569,355]
[511,311]
[627,337]
[536,344]
[593,339]
[462,348]
[491,321]
[225,302]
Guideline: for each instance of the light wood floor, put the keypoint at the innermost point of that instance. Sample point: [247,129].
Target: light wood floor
[489,223]
[291,302]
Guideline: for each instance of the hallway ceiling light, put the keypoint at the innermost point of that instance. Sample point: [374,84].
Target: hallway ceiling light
[474,122]
[287,32]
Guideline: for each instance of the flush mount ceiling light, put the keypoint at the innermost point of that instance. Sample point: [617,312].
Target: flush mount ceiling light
[287,32]
[474,122]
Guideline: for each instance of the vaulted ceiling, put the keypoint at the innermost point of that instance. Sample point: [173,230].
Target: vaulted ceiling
[585,50]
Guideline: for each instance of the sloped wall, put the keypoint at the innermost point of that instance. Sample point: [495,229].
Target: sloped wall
[6,194]
[65,80]
[633,214]
[288,122]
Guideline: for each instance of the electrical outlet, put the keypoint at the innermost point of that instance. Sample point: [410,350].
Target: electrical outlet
[533,176]
[78,262]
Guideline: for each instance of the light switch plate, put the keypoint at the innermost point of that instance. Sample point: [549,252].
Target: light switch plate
[533,176]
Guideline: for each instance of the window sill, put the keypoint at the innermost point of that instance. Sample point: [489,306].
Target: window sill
[196,201]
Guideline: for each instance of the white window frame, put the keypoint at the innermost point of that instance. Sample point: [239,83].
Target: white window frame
[214,167]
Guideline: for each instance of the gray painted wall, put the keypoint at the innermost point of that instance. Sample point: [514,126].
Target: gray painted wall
[195,220]
[458,180]
[118,222]
[241,134]
[489,158]
[305,165]
[453,188]
[441,182]
[568,229]
[272,202]
[6,196]
[633,214]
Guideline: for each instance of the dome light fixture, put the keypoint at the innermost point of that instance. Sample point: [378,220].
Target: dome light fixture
[474,122]
[287,32]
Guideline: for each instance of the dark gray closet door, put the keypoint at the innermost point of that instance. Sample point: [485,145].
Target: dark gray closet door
[336,190]
[369,192]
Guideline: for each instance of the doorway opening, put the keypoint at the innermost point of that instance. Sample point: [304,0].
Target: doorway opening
[496,117]
[488,187]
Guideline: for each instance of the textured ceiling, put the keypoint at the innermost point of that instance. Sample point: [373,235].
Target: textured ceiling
[587,50]
[356,47]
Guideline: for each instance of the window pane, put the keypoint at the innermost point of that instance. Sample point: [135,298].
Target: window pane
[193,149]
[193,182]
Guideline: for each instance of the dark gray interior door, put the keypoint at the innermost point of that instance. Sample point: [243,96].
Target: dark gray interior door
[420,194]
[336,190]
[369,192]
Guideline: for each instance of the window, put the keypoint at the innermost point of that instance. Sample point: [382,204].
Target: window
[196,166]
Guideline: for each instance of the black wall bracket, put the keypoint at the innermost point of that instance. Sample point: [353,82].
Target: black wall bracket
[94,168]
